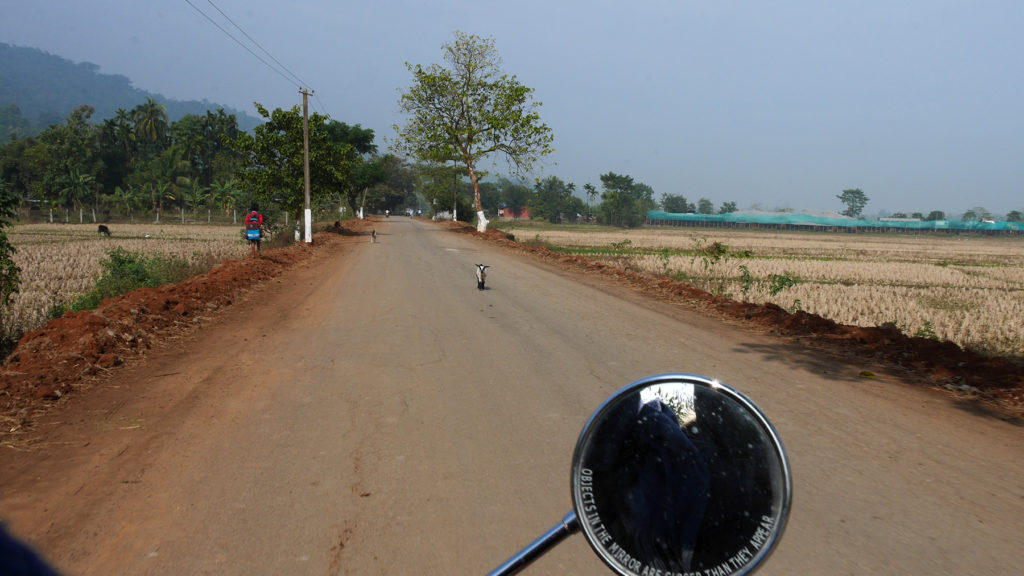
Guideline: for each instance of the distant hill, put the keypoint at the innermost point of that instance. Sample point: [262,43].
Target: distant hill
[38,89]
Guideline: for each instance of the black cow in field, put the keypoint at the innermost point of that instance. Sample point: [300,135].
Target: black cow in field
[103,230]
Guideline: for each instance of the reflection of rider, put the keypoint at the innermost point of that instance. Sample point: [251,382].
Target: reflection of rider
[650,484]
[740,490]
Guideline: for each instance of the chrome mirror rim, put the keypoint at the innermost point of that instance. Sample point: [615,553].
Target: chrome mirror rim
[777,450]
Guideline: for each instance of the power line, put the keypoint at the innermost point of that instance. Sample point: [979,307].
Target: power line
[322,107]
[271,56]
[280,67]
[237,41]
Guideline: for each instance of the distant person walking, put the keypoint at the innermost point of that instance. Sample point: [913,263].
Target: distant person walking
[254,229]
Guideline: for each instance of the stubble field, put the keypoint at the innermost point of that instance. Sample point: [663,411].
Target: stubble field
[964,289]
[61,261]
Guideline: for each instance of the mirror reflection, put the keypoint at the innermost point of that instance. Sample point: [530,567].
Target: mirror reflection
[680,477]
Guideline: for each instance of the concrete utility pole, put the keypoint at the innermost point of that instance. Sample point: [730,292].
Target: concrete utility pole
[305,163]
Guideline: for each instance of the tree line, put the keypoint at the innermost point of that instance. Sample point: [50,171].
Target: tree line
[855,200]
[137,164]
[199,166]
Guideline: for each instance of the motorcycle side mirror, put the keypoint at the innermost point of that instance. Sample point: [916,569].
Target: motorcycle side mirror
[675,474]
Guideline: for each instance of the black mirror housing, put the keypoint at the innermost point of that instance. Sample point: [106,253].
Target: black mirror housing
[679,474]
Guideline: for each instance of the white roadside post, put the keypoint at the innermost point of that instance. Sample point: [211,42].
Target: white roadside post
[308,220]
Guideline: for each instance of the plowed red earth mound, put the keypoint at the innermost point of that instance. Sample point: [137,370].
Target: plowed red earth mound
[54,361]
[996,383]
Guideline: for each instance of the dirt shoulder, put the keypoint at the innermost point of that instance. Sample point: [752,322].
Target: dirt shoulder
[74,353]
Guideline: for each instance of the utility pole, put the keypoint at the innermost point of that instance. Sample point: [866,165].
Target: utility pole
[305,163]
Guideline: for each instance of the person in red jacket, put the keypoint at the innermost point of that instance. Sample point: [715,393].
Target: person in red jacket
[254,229]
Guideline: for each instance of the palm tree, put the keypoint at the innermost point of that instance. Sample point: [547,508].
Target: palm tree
[129,197]
[591,194]
[150,122]
[77,189]
[169,168]
[159,192]
[122,126]
[224,195]
[197,196]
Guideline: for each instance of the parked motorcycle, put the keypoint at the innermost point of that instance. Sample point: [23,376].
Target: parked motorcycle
[674,475]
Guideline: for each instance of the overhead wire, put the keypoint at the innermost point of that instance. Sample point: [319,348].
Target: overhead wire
[237,41]
[281,70]
[271,56]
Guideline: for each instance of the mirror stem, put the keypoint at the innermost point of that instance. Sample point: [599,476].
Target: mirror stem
[569,525]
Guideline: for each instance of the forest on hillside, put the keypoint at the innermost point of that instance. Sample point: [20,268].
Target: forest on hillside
[39,89]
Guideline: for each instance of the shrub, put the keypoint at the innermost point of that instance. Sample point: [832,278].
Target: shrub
[10,273]
[125,271]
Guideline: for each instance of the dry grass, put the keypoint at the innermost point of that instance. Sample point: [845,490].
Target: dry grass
[61,261]
[967,289]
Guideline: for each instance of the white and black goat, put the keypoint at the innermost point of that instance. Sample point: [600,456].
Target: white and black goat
[481,275]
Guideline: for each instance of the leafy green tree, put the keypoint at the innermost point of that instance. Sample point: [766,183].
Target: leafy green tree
[1015,216]
[78,189]
[128,198]
[727,208]
[676,204]
[23,165]
[362,139]
[855,200]
[623,201]
[68,149]
[469,110]
[197,196]
[225,195]
[169,173]
[367,175]
[366,183]
[398,183]
[274,172]
[220,161]
[514,195]
[704,206]
[575,208]
[13,123]
[936,215]
[188,135]
[160,192]
[976,214]
[552,199]
[441,186]
[117,150]
[490,198]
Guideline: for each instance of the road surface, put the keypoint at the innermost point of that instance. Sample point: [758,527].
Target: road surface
[372,412]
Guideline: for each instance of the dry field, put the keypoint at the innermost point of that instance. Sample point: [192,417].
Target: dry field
[966,289]
[61,261]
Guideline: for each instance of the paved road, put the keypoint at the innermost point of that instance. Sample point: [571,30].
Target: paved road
[374,413]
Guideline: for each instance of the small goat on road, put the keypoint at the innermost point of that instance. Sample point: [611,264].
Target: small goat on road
[481,275]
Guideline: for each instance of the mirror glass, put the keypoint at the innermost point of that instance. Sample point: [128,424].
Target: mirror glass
[677,475]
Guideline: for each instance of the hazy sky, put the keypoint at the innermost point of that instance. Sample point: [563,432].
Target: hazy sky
[919,103]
